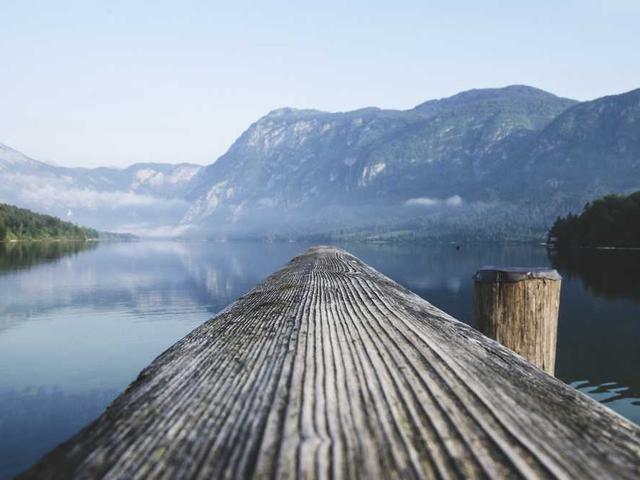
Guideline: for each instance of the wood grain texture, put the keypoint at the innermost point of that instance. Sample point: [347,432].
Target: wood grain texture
[328,369]
[521,315]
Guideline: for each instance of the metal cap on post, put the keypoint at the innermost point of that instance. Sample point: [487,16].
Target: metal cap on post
[518,307]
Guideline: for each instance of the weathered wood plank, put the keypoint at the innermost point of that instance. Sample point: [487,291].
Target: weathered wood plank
[330,369]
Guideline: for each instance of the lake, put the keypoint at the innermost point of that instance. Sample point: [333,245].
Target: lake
[78,322]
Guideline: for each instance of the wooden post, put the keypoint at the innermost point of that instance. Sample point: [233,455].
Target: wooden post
[518,307]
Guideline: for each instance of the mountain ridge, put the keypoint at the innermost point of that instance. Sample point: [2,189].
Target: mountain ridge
[465,163]
[366,156]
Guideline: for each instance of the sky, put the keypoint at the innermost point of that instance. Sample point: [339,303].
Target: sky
[94,83]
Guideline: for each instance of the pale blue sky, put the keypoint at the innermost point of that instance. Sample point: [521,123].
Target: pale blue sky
[112,83]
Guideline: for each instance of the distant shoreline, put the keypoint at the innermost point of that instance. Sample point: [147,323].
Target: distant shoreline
[79,240]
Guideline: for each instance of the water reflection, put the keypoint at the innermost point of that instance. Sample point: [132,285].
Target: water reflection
[613,274]
[78,324]
[18,255]
[599,330]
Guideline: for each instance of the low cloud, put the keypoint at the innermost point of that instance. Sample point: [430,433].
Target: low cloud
[58,191]
[452,201]
[145,231]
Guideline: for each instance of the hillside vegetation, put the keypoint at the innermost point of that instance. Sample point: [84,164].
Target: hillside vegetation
[22,224]
[612,221]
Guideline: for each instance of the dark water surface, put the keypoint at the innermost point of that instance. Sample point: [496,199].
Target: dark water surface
[77,323]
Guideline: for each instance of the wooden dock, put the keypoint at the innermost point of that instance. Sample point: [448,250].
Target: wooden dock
[328,369]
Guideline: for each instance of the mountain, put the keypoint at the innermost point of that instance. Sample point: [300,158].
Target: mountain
[588,151]
[12,160]
[143,198]
[491,164]
[309,171]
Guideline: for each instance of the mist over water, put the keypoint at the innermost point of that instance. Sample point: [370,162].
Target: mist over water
[78,322]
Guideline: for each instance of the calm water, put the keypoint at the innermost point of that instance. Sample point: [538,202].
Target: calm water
[77,323]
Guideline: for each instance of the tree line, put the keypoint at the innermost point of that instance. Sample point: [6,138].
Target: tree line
[22,224]
[612,221]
